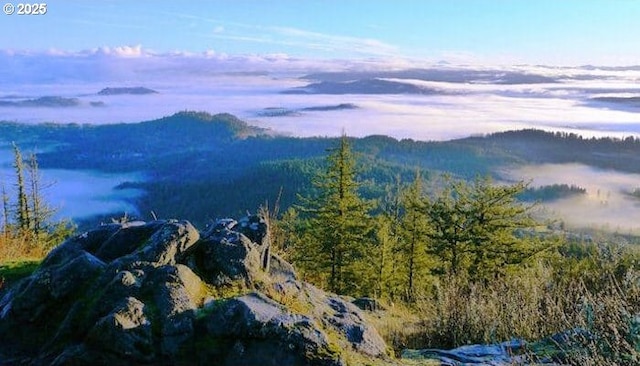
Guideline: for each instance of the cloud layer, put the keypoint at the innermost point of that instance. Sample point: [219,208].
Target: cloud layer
[461,100]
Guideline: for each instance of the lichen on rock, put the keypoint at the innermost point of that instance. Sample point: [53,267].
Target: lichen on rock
[164,293]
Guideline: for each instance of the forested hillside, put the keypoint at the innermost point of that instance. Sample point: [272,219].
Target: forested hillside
[205,166]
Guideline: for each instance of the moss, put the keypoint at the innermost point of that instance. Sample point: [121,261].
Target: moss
[211,307]
[235,289]
[294,303]
[12,271]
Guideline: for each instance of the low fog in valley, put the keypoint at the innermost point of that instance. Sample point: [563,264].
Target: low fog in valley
[607,204]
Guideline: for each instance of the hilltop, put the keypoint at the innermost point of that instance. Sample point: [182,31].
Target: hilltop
[138,90]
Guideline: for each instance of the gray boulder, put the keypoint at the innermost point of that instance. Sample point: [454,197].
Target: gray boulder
[54,282]
[256,229]
[162,293]
[125,239]
[552,351]
[126,331]
[224,256]
[337,314]
[281,270]
[265,333]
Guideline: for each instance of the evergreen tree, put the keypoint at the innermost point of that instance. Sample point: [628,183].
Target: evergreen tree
[382,258]
[28,216]
[413,246]
[474,228]
[22,210]
[339,223]
[40,212]
[448,240]
[495,217]
[386,256]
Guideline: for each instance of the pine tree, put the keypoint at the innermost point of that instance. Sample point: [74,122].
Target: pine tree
[384,254]
[382,258]
[22,210]
[392,213]
[474,228]
[339,223]
[447,219]
[413,246]
[30,216]
[40,212]
[495,215]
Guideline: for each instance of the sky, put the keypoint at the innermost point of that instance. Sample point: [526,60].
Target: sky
[551,32]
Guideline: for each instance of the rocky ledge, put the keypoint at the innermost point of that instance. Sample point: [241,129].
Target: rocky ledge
[164,293]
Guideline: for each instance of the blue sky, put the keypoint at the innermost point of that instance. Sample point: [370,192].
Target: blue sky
[566,32]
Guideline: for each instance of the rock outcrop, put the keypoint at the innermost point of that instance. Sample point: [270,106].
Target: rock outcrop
[161,292]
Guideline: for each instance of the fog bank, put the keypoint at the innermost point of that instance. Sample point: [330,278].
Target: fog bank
[77,194]
[607,204]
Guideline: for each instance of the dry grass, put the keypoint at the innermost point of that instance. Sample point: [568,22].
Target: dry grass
[601,300]
[15,247]
[398,324]
[19,256]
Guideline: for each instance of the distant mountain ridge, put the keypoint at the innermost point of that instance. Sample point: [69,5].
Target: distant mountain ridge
[138,90]
[48,101]
[363,86]
[281,111]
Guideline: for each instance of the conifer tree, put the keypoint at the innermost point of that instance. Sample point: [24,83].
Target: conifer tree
[413,246]
[40,212]
[339,223]
[382,258]
[384,255]
[473,228]
[28,213]
[495,216]
[22,209]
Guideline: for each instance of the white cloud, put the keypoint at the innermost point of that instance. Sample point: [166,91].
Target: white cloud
[121,51]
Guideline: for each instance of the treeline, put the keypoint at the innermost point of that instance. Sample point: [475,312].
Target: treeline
[551,192]
[535,146]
